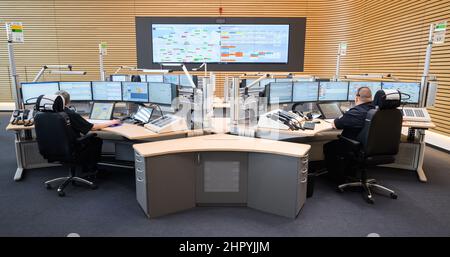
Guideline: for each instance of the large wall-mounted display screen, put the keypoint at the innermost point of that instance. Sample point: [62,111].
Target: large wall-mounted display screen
[212,43]
[263,44]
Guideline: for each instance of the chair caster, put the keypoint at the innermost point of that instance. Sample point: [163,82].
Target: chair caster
[369,200]
[393,196]
[61,193]
[48,186]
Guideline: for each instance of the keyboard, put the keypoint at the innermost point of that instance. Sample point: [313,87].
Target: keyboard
[415,114]
[163,121]
[98,121]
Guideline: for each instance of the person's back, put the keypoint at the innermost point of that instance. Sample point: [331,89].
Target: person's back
[352,123]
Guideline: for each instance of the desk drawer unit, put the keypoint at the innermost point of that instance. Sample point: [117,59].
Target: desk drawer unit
[141,182]
[277,184]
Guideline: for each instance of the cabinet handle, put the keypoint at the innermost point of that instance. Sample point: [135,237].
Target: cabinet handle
[139,170]
[139,179]
[138,160]
[303,180]
[304,170]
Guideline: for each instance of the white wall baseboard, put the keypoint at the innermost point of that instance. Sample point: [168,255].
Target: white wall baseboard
[7,106]
[437,140]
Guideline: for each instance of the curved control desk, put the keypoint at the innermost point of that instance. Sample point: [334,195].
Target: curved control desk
[179,174]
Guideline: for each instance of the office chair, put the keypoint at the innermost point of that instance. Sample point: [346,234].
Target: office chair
[57,141]
[378,142]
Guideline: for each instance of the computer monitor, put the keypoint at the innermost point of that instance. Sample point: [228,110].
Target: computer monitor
[185,82]
[106,91]
[135,92]
[280,92]
[102,111]
[162,93]
[329,110]
[333,91]
[305,92]
[354,86]
[173,79]
[78,91]
[155,78]
[31,91]
[120,77]
[410,88]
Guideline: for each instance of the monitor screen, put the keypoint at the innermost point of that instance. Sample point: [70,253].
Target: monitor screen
[135,92]
[220,43]
[119,77]
[410,88]
[155,78]
[185,82]
[280,92]
[354,86]
[305,91]
[173,79]
[78,91]
[161,93]
[333,91]
[30,91]
[106,91]
[102,111]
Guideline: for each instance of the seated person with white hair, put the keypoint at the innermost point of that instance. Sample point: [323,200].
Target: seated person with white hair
[92,151]
[351,122]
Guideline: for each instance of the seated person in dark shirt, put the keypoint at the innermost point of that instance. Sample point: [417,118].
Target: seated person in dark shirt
[351,122]
[90,155]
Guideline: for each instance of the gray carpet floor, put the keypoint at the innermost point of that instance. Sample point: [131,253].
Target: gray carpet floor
[28,209]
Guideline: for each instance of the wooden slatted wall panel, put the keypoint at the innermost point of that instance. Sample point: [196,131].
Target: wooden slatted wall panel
[394,41]
[68,32]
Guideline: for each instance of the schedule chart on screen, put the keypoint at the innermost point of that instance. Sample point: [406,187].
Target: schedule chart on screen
[305,91]
[79,91]
[410,88]
[354,86]
[280,92]
[333,91]
[106,91]
[135,92]
[30,91]
[215,43]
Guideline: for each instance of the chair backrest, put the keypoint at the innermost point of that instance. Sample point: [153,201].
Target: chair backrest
[54,135]
[382,128]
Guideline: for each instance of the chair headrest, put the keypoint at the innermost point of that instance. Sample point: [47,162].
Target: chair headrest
[50,103]
[387,99]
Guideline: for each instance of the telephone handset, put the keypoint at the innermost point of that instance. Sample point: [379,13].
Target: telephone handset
[22,117]
[280,119]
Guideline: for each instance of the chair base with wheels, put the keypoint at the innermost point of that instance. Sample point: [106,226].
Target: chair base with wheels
[66,180]
[367,185]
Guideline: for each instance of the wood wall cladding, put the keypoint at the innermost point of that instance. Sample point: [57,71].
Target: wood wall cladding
[382,36]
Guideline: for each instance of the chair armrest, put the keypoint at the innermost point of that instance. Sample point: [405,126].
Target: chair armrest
[350,144]
[86,137]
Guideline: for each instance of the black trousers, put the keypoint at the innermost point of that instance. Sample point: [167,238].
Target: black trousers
[89,154]
[339,161]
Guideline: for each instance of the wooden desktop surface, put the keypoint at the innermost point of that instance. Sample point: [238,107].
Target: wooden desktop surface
[221,142]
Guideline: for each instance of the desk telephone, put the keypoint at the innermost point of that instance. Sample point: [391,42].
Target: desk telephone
[22,117]
[280,119]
